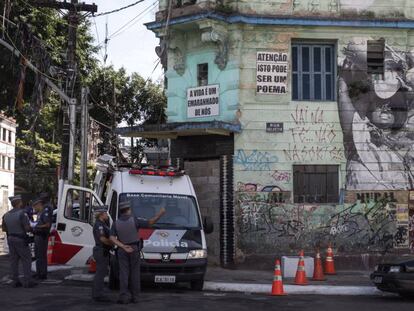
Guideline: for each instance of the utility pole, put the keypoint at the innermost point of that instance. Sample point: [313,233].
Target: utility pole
[69,113]
[68,152]
[114,116]
[84,137]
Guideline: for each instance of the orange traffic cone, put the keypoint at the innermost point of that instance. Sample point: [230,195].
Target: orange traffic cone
[92,265]
[300,278]
[329,262]
[318,270]
[277,285]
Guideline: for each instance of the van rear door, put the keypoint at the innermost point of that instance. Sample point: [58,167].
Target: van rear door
[74,223]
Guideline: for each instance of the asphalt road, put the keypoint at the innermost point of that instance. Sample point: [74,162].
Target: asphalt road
[71,296]
[76,296]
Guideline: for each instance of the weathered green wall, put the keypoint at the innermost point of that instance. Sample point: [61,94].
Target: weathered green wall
[315,132]
[368,8]
[313,135]
[350,8]
[188,51]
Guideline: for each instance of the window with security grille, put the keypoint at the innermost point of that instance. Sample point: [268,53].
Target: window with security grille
[313,72]
[316,183]
[375,59]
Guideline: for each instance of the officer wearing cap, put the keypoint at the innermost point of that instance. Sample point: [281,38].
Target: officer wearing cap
[16,224]
[101,252]
[124,234]
[41,235]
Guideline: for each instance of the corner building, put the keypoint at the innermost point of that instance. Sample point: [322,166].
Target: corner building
[295,120]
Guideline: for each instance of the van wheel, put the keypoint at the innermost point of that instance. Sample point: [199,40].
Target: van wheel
[197,285]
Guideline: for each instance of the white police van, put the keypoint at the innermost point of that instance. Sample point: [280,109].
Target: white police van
[174,249]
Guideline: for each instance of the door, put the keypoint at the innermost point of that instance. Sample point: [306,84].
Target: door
[75,219]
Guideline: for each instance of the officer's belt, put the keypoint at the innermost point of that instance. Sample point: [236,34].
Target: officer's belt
[18,235]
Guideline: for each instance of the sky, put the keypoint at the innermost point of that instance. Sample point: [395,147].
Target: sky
[132,47]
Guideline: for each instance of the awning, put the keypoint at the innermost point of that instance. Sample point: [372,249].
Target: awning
[176,129]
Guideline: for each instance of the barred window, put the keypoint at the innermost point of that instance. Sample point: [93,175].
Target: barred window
[316,183]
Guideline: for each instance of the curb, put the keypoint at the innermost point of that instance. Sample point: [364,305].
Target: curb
[83,277]
[333,290]
[295,289]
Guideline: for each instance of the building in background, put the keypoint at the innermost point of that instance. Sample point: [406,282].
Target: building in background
[295,120]
[7,161]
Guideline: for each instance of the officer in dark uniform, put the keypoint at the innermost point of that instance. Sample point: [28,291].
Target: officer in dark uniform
[101,250]
[16,224]
[41,235]
[47,204]
[124,234]
[29,210]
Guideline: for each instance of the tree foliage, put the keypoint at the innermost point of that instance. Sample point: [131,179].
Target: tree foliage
[128,99]
[41,36]
[37,161]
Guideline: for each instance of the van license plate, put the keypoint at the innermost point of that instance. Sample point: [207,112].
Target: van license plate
[378,279]
[165,279]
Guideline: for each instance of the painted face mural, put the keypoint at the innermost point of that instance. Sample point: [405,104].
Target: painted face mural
[377,118]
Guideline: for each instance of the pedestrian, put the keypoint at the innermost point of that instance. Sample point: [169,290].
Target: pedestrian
[16,224]
[124,234]
[101,250]
[41,235]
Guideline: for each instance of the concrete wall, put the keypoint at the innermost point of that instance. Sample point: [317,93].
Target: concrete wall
[205,176]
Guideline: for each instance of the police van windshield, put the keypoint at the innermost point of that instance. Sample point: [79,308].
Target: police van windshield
[181,210]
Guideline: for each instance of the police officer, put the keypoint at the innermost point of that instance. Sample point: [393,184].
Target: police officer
[41,235]
[124,234]
[29,210]
[47,204]
[101,250]
[16,224]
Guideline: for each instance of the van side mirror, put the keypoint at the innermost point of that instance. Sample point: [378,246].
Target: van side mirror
[208,225]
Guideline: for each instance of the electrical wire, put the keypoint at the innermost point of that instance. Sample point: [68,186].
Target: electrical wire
[126,26]
[97,37]
[134,20]
[100,123]
[120,9]
[27,59]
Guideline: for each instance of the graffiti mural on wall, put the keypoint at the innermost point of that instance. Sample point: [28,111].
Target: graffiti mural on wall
[313,136]
[377,119]
[282,176]
[254,160]
[267,226]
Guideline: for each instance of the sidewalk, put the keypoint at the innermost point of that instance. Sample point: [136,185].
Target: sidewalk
[343,278]
[260,282]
